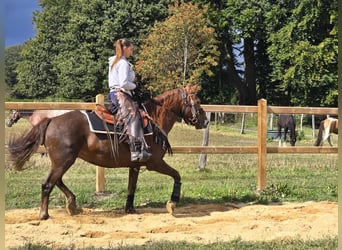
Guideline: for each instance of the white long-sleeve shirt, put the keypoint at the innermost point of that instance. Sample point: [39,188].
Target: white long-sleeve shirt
[121,75]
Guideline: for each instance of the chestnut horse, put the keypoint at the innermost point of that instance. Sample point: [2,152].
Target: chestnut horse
[33,116]
[329,125]
[68,137]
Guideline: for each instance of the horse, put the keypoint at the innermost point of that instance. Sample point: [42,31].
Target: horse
[33,116]
[288,123]
[68,136]
[329,125]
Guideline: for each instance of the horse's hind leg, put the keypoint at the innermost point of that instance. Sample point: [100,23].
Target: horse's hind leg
[70,198]
[132,184]
[329,140]
[47,187]
[55,178]
[326,137]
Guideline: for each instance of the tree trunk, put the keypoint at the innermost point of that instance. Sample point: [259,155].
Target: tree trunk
[247,87]
[250,73]
[233,76]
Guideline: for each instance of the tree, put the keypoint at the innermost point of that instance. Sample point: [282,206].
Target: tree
[241,30]
[284,51]
[303,52]
[178,50]
[12,59]
[68,56]
[36,75]
[260,59]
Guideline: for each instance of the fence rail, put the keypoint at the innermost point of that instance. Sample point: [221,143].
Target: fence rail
[261,148]
[207,108]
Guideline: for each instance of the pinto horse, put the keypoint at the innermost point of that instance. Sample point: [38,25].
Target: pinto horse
[329,125]
[33,116]
[288,123]
[68,137]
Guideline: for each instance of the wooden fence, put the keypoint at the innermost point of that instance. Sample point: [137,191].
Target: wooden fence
[261,148]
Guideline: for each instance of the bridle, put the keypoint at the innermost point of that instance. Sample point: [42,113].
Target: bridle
[191,104]
[14,115]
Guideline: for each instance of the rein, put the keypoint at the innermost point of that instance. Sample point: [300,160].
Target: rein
[184,96]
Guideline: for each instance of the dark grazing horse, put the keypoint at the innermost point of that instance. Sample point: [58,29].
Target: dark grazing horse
[33,116]
[288,123]
[68,137]
[328,125]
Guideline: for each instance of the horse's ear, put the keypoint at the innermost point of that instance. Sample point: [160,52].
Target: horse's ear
[195,88]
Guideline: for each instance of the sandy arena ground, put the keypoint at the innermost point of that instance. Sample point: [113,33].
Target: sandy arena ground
[205,223]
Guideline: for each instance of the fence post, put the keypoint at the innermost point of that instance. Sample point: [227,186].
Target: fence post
[100,171]
[242,130]
[203,157]
[313,126]
[262,145]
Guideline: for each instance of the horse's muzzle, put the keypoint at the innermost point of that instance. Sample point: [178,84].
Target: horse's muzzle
[202,124]
[9,124]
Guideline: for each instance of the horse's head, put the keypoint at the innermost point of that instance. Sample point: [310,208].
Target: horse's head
[293,137]
[13,117]
[192,112]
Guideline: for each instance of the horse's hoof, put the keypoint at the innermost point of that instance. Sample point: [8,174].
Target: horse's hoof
[170,206]
[130,210]
[72,209]
[44,216]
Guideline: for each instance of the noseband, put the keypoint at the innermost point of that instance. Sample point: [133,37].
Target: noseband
[14,116]
[194,112]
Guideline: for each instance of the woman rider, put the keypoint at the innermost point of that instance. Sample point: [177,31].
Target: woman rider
[120,81]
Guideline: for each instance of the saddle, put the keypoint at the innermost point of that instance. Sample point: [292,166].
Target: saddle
[102,120]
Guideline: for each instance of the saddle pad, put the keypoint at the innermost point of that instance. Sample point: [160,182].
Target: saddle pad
[97,125]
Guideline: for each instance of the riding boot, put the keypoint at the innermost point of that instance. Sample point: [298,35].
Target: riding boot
[138,153]
[137,142]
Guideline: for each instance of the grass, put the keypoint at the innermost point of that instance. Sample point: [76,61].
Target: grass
[237,244]
[226,178]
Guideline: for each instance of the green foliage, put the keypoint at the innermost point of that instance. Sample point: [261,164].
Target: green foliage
[68,56]
[274,192]
[36,75]
[238,51]
[12,58]
[178,50]
[303,53]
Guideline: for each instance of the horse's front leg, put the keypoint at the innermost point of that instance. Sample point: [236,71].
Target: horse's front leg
[132,184]
[164,168]
[329,141]
[285,135]
[175,196]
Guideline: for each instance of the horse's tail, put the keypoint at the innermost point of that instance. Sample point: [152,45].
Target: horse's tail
[21,148]
[320,134]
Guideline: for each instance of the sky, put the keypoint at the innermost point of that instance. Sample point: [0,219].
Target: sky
[19,26]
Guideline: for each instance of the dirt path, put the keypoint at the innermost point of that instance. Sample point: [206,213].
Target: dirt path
[197,223]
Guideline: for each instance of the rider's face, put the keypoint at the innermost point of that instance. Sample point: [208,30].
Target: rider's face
[128,51]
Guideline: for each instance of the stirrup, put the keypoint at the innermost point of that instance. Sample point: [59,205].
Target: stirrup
[142,156]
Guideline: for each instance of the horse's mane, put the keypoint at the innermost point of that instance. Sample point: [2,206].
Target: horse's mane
[164,101]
